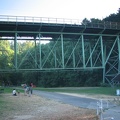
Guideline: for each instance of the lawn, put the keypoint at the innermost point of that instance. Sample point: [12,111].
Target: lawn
[9,89]
[3,103]
[83,90]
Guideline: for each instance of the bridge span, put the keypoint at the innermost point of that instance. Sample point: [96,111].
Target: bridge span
[93,45]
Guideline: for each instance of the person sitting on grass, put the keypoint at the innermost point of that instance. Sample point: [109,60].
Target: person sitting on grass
[14,92]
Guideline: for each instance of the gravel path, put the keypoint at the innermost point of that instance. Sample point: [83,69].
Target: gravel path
[69,99]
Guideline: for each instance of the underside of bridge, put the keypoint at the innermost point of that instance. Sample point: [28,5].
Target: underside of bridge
[93,46]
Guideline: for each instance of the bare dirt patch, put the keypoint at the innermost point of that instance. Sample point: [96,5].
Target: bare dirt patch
[95,96]
[38,108]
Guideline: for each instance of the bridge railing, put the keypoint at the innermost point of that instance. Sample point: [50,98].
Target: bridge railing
[38,20]
[27,19]
[105,25]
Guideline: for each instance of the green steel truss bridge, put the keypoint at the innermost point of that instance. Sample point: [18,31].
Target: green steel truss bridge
[93,46]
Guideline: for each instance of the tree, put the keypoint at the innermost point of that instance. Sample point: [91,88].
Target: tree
[6,54]
[113,17]
[85,21]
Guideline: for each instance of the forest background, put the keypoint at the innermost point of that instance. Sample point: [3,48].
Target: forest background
[51,78]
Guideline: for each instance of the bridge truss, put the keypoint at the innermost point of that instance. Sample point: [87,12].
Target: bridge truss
[93,46]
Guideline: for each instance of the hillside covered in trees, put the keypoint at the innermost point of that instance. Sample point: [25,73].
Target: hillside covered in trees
[47,78]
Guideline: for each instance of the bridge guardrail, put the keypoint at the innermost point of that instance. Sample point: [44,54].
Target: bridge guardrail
[27,19]
[38,19]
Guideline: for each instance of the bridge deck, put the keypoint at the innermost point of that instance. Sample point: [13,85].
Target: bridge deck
[47,29]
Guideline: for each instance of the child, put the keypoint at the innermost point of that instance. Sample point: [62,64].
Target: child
[14,92]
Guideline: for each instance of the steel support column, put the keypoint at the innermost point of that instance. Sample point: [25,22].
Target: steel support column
[35,54]
[55,57]
[103,60]
[118,38]
[15,51]
[73,55]
[40,59]
[91,62]
[83,51]
[63,65]
[104,54]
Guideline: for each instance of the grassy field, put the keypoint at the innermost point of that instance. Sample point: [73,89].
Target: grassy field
[9,89]
[83,90]
[78,90]
[2,101]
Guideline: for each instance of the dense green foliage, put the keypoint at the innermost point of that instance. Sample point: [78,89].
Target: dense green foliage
[51,78]
[113,17]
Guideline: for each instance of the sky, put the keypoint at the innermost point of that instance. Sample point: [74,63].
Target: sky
[72,9]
